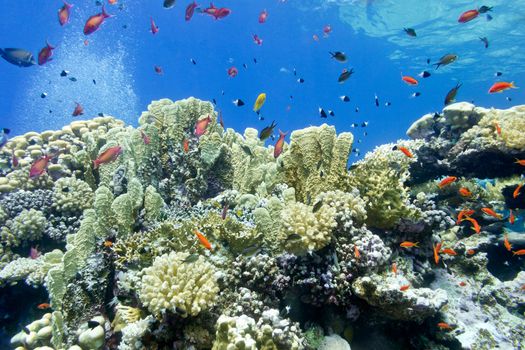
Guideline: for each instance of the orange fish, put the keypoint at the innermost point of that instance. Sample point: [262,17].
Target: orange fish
[112,2]
[79,110]
[356,253]
[436,247]
[43,306]
[512,218]
[465,192]
[517,190]
[506,243]
[63,13]
[108,244]
[444,326]
[206,244]
[519,252]
[409,80]
[464,212]
[475,225]
[154,27]
[462,284]
[186,145]
[407,244]
[93,23]
[405,151]
[447,181]
[520,161]
[394,268]
[501,86]
[404,287]
[39,167]
[109,155]
[491,212]
[468,16]
[279,144]
[471,252]
[498,129]
[449,251]
[201,125]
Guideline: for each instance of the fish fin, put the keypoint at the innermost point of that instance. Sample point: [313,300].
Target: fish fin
[104,13]
[95,164]
[513,86]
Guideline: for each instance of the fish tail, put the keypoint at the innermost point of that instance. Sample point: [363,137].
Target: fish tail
[416,244]
[283,133]
[104,13]
[513,86]
[95,164]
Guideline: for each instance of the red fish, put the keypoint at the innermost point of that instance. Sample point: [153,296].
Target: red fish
[34,253]
[158,70]
[154,28]
[145,138]
[63,13]
[327,29]
[498,128]
[444,326]
[394,268]
[232,72]
[449,251]
[93,23]
[112,2]
[263,16]
[517,190]
[519,252]
[520,161]
[405,151]
[465,192]
[217,13]
[206,244]
[501,86]
[14,159]
[464,212]
[43,306]
[471,252]
[475,225]
[506,243]
[404,287]
[201,125]
[257,40]
[491,212]
[447,181]
[468,16]
[512,218]
[45,54]
[408,244]
[409,80]
[39,167]
[357,254]
[79,110]
[462,284]
[190,9]
[109,155]
[436,247]
[279,144]
[186,145]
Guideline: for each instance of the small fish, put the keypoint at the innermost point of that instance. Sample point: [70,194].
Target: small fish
[468,16]
[498,74]
[201,125]
[462,284]
[293,237]
[322,113]
[34,253]
[63,13]
[451,95]
[508,98]
[221,121]
[357,254]
[64,73]
[498,128]
[315,37]
[169,4]
[520,162]
[317,206]
[232,72]
[251,250]
[405,151]
[193,61]
[491,212]
[506,243]
[357,109]
[112,2]
[43,95]
[404,287]
[327,29]
[278,149]
[245,66]
[449,251]
[14,159]
[345,75]
[485,41]
[485,9]
[158,70]
[519,252]
[26,330]
[109,155]
[224,211]
[339,56]
[107,243]
[512,218]
[145,138]
[247,150]
[93,23]
[186,145]
[376,100]
[445,60]
[45,54]
[43,306]
[263,16]
[267,131]
[408,244]
[79,110]
[475,225]
[424,74]
[154,29]
[465,192]
[331,113]
[257,40]
[344,98]
[18,57]
[501,86]
[300,80]
[191,258]
[436,248]
[388,104]
[444,326]
[73,79]
[354,125]
[364,124]
[39,167]
[94,82]
[410,32]
[517,190]
[190,10]
[409,80]
[471,252]
[217,13]
[415,94]
[447,181]
[259,102]
[205,243]
[394,268]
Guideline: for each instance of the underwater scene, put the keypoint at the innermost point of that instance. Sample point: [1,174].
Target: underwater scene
[262,174]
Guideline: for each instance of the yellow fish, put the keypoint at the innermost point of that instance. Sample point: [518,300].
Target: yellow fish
[259,102]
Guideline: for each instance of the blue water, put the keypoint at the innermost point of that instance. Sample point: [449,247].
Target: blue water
[122,60]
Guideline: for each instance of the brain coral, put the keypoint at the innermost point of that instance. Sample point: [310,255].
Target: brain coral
[171,284]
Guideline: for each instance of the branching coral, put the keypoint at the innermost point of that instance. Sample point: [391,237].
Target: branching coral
[71,195]
[29,225]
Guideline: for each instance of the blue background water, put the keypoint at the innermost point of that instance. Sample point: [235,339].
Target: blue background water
[121,60]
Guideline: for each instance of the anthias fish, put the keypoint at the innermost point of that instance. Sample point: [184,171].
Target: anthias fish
[108,156]
[94,22]
[64,13]
[278,149]
[201,125]
[190,9]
